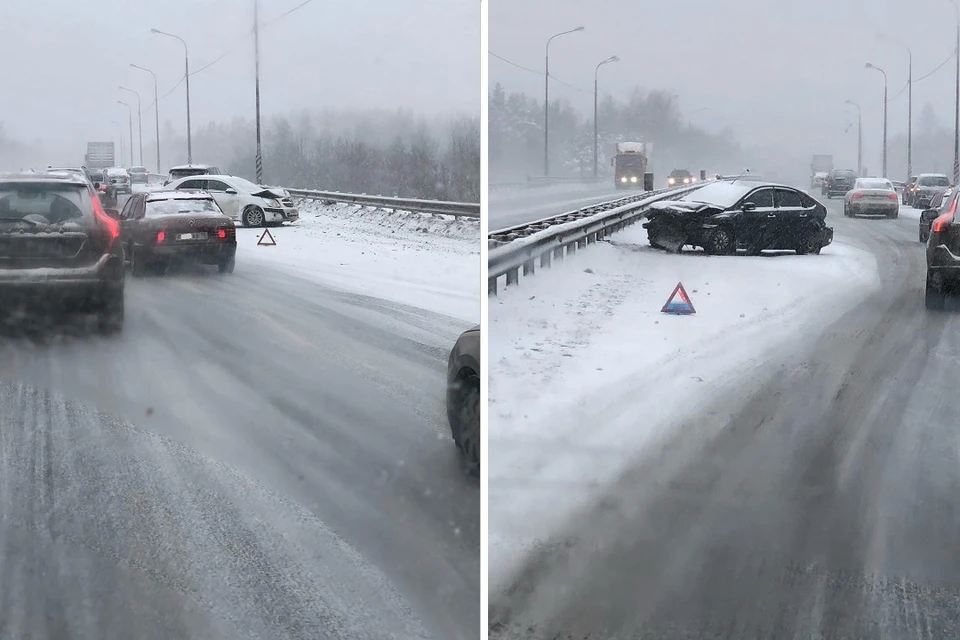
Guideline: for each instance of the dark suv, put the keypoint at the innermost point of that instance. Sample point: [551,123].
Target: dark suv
[59,248]
[839,182]
[928,185]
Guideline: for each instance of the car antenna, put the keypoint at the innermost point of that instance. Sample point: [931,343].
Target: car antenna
[745,172]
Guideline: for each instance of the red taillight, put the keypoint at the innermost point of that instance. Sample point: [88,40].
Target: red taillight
[893,196]
[112,226]
[857,196]
[222,234]
[942,222]
[160,237]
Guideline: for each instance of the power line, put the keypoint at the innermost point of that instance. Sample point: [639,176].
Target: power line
[539,73]
[907,85]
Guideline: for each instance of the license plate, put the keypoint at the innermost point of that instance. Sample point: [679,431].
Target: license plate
[192,236]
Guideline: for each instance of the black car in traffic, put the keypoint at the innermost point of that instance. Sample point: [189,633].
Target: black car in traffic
[927,185]
[943,254]
[726,217]
[59,248]
[839,182]
[937,207]
[463,397]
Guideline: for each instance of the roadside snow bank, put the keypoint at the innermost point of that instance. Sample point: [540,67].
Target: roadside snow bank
[585,371]
[428,262]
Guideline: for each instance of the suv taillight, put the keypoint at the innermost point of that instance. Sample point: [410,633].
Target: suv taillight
[942,223]
[111,226]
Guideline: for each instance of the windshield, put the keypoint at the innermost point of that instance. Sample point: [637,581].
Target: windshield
[845,175]
[680,173]
[42,202]
[183,173]
[934,181]
[138,170]
[629,161]
[721,194]
[116,172]
[180,206]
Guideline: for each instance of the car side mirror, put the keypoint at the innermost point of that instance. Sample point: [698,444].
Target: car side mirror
[96,185]
[749,206]
[231,192]
[113,213]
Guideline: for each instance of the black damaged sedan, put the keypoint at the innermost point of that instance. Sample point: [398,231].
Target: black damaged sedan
[726,217]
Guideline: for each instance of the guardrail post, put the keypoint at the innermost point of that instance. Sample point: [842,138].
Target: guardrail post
[582,243]
[491,286]
[529,268]
[545,260]
[572,247]
[513,277]
[558,253]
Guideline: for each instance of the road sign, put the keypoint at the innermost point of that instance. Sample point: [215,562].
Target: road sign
[263,239]
[679,302]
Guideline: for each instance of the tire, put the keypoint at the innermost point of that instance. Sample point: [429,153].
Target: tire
[227,266]
[894,215]
[110,315]
[721,242]
[809,245]
[935,299]
[846,211]
[253,217]
[467,434]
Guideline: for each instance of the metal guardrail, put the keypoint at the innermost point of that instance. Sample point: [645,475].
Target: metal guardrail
[519,247]
[458,209]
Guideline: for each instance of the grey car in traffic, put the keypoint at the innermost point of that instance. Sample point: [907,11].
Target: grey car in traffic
[463,397]
[872,196]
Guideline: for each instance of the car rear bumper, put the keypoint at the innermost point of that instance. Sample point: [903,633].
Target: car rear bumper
[62,287]
[826,236]
[205,253]
[942,261]
[875,207]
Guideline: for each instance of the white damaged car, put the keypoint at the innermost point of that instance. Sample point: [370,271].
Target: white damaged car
[250,204]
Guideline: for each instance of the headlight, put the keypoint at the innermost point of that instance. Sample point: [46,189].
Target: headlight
[686,181]
[633,179]
[671,181]
[623,179]
[272,203]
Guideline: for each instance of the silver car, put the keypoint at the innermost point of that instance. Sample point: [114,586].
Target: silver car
[872,196]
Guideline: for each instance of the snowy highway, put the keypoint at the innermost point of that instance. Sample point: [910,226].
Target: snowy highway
[781,464]
[259,455]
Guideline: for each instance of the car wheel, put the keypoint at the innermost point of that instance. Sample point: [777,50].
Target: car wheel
[227,266]
[253,217]
[110,317]
[467,435]
[810,244]
[894,215]
[935,297]
[923,238]
[720,242]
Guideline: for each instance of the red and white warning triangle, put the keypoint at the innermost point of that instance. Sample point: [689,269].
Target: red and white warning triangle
[679,302]
[263,239]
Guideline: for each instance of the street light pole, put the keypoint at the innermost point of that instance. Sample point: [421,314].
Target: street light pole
[139,122]
[859,137]
[956,116]
[256,54]
[156,109]
[909,102]
[130,110]
[876,68]
[596,139]
[546,102]
[186,66]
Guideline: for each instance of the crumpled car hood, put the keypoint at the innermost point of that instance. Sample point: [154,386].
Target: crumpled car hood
[679,206]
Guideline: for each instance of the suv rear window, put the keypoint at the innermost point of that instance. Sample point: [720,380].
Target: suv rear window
[844,174]
[934,181]
[44,203]
[176,206]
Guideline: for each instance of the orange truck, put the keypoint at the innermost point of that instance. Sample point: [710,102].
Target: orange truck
[631,166]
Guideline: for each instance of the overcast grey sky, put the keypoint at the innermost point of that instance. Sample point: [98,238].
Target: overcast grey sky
[777,72]
[64,59]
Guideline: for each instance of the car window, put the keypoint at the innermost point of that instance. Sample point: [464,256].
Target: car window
[762,198]
[934,181]
[193,184]
[936,201]
[179,206]
[788,199]
[217,185]
[127,210]
[45,203]
[873,183]
[808,202]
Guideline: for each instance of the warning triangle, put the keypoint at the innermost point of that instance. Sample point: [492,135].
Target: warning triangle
[679,302]
[263,242]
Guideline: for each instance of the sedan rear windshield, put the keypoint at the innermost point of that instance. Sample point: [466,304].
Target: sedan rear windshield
[43,203]
[934,181]
[183,173]
[845,174]
[875,184]
[180,206]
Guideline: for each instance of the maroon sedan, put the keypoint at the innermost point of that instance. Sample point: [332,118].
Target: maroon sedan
[166,226]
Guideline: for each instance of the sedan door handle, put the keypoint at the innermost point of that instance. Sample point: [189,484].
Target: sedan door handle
[771,215]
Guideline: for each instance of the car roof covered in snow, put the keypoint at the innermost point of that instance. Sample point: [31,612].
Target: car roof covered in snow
[183,167]
[725,194]
[67,177]
[182,194]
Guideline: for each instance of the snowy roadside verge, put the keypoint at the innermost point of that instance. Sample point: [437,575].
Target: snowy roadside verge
[430,262]
[585,372]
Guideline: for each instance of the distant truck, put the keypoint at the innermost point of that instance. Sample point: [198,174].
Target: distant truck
[631,164]
[100,155]
[820,167]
